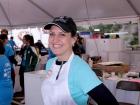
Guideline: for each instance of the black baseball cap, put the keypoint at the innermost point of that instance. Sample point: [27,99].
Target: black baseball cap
[65,23]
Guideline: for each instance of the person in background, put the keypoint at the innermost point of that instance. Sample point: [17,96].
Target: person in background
[12,43]
[69,79]
[35,49]
[4,31]
[117,36]
[50,54]
[107,37]
[29,59]
[6,89]
[78,47]
[10,54]
[41,47]
[43,55]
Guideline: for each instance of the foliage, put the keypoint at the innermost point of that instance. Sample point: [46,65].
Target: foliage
[103,28]
[81,28]
[112,28]
[135,39]
[109,28]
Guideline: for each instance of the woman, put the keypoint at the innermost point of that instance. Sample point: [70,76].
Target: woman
[70,80]
[9,52]
[6,89]
[29,59]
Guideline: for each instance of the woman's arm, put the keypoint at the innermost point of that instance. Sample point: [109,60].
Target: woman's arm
[102,96]
[33,60]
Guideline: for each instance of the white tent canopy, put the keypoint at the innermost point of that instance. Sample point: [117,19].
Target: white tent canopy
[31,12]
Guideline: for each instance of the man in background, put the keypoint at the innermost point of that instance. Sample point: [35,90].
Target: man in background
[9,52]
[4,31]
[12,43]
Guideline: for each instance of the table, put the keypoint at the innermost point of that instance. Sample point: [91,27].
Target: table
[111,85]
[112,67]
[33,82]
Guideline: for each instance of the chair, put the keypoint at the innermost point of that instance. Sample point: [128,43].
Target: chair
[128,92]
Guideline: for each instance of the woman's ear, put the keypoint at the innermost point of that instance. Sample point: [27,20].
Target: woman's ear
[74,40]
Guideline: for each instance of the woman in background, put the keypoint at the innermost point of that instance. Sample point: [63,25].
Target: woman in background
[9,52]
[29,59]
[6,88]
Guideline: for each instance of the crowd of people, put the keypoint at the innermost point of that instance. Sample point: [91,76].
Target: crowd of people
[30,57]
[69,79]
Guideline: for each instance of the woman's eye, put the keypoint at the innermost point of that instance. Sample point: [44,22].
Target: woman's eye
[51,34]
[62,35]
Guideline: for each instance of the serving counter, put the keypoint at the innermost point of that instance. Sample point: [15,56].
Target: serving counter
[33,82]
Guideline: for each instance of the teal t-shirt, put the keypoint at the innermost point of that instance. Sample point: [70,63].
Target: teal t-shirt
[8,50]
[6,87]
[81,79]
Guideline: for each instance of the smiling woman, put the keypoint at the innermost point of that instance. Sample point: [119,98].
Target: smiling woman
[64,85]
[60,43]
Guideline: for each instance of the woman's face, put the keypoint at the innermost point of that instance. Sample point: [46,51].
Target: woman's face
[61,42]
[25,41]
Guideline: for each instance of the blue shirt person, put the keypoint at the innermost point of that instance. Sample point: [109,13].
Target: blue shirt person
[12,43]
[6,88]
[50,54]
[9,53]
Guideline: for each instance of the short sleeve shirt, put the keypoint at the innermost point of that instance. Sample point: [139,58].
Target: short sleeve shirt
[81,79]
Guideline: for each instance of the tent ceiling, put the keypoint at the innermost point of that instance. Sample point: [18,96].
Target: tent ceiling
[29,12]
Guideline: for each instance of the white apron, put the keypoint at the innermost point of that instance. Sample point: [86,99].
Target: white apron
[56,92]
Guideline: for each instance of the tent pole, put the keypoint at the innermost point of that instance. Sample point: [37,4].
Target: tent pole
[43,10]
[139,31]
[133,7]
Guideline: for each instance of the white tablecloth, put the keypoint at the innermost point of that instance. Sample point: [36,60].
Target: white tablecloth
[111,85]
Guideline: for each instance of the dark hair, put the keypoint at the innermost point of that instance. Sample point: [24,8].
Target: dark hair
[2,49]
[3,37]
[27,37]
[30,39]
[11,37]
[117,36]
[4,31]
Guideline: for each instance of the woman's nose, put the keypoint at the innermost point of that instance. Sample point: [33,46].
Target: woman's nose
[55,38]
